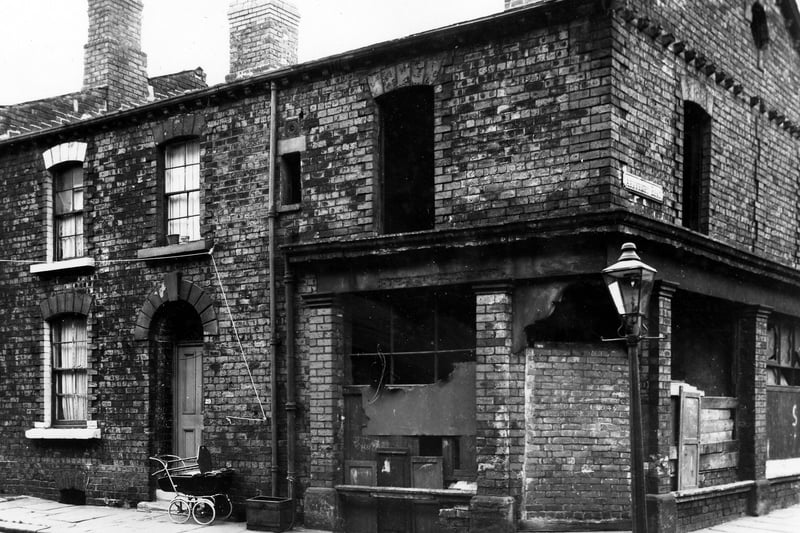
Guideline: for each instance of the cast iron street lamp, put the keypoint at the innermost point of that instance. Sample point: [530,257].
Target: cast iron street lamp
[630,283]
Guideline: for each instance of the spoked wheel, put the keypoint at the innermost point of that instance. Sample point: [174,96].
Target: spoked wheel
[223,506]
[179,510]
[203,511]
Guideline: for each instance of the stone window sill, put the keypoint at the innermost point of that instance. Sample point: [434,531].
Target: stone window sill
[60,266]
[63,433]
[175,250]
[290,208]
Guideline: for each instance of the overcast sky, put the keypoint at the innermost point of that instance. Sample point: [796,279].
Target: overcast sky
[41,41]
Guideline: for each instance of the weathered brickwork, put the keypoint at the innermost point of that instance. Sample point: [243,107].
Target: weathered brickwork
[754,160]
[710,511]
[499,398]
[576,452]
[538,118]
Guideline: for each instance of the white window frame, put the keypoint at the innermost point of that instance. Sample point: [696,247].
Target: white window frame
[182,189]
[75,153]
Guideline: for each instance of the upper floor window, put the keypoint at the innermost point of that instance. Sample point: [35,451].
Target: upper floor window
[182,189]
[696,166]
[68,214]
[291,178]
[70,378]
[407,165]
[759,26]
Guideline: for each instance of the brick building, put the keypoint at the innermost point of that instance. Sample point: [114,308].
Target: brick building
[370,282]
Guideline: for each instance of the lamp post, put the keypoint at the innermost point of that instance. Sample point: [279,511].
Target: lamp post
[630,282]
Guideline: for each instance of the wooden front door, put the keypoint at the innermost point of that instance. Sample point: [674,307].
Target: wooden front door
[188,400]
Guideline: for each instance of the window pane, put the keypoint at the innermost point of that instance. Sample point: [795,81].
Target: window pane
[66,247]
[192,177]
[76,174]
[192,153]
[177,206]
[63,181]
[78,223]
[193,230]
[173,227]
[78,246]
[174,180]
[66,226]
[63,202]
[77,200]
[175,156]
[194,203]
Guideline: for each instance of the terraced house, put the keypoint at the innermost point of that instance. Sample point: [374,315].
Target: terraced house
[371,285]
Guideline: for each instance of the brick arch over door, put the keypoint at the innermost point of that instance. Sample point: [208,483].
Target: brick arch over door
[175,289]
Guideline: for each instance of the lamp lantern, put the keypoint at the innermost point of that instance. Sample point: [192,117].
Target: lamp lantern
[630,282]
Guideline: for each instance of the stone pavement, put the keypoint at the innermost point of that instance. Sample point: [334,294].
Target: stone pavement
[778,521]
[24,514]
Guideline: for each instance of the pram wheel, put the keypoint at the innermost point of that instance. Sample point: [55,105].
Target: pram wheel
[203,511]
[179,510]
[223,505]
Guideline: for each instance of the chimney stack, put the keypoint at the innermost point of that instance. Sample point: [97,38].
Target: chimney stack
[113,56]
[263,36]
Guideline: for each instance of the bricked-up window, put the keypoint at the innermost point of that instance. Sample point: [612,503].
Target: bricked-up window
[696,166]
[291,188]
[69,369]
[410,338]
[182,189]
[407,159]
[783,357]
[759,26]
[68,213]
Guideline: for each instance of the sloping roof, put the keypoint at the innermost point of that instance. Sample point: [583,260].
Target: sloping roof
[49,113]
[43,115]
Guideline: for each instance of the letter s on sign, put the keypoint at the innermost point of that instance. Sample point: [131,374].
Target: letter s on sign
[794,416]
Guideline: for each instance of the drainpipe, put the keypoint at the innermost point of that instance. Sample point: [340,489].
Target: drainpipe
[291,405]
[273,330]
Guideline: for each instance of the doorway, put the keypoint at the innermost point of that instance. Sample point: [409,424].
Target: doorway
[188,399]
[176,393]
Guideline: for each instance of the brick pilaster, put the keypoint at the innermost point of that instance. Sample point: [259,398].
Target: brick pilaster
[662,508]
[325,410]
[751,390]
[659,378]
[326,405]
[500,403]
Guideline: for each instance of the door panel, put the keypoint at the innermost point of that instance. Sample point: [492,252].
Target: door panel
[188,400]
[689,439]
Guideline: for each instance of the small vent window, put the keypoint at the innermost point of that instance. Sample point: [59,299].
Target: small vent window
[291,183]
